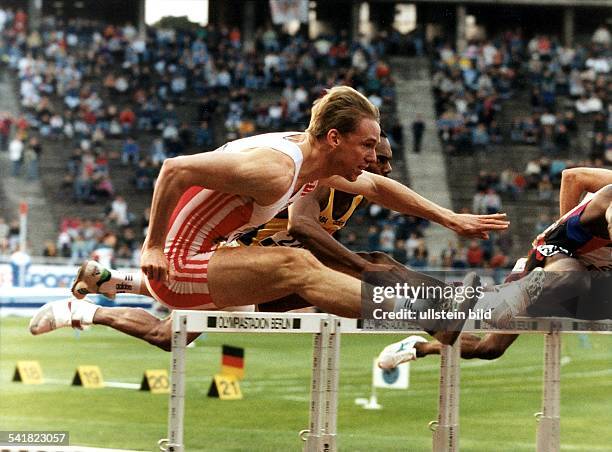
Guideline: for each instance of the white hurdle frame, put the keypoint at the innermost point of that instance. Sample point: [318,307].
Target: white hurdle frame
[549,419]
[321,436]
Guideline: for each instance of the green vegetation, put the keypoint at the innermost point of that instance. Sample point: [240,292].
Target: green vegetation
[498,399]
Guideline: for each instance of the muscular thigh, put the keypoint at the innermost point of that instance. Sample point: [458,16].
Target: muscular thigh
[253,275]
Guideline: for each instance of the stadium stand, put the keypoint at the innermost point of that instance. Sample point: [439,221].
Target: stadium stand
[536,129]
[107,106]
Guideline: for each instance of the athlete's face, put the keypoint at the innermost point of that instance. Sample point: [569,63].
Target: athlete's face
[355,151]
[384,156]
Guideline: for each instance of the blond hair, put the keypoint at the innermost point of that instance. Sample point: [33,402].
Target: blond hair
[341,108]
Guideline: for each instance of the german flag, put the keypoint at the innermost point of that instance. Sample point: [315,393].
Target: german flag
[232,361]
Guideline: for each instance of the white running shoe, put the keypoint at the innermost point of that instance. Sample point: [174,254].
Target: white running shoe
[399,352]
[89,279]
[63,313]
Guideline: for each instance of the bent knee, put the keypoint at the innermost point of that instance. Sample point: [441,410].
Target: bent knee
[298,266]
[298,259]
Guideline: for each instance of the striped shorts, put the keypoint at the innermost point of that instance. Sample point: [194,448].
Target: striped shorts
[199,223]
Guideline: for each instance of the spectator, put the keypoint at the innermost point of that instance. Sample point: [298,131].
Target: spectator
[4,236]
[373,238]
[475,254]
[411,245]
[16,155]
[492,202]
[130,152]
[420,256]
[31,158]
[586,104]
[157,152]
[104,250]
[79,249]
[447,256]
[5,130]
[602,37]
[83,182]
[387,239]
[418,130]
[127,119]
[399,252]
[119,212]
[545,189]
[204,136]
[50,249]
[598,146]
[480,136]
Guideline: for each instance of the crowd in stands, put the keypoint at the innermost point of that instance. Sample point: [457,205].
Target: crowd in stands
[569,120]
[569,97]
[117,239]
[114,96]
[402,237]
[568,86]
[564,83]
[117,98]
[468,90]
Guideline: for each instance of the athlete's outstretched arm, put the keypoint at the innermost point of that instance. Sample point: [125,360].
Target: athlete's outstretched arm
[398,197]
[575,181]
[263,174]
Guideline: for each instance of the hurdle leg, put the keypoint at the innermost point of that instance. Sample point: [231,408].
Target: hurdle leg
[446,428]
[331,388]
[548,434]
[176,405]
[313,436]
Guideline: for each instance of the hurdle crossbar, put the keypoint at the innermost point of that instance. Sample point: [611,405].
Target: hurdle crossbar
[322,435]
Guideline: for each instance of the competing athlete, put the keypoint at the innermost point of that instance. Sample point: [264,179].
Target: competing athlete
[248,182]
[579,242]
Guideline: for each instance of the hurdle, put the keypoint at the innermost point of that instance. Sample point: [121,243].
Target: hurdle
[446,428]
[321,434]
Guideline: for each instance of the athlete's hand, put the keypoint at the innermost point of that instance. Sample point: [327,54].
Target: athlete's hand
[478,226]
[154,264]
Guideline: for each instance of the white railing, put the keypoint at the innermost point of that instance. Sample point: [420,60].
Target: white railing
[321,433]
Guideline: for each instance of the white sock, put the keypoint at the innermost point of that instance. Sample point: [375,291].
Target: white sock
[84,311]
[122,282]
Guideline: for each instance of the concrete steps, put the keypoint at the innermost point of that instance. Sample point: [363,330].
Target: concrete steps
[17,189]
[427,170]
